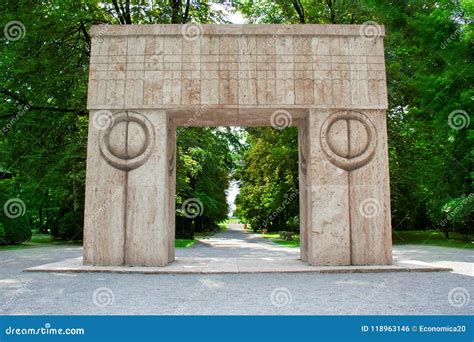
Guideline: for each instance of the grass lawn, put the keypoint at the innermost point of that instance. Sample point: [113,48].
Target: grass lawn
[41,240]
[183,243]
[223,226]
[416,237]
[276,238]
[429,238]
[44,240]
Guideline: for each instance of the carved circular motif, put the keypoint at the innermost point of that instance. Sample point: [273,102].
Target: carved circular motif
[348,139]
[128,142]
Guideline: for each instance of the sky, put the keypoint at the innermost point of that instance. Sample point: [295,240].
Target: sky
[234,17]
[232,192]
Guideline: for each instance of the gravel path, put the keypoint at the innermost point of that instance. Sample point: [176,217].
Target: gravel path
[404,293]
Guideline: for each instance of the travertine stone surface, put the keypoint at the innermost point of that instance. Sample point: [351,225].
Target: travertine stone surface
[127,200]
[104,220]
[328,80]
[303,155]
[157,66]
[327,201]
[147,211]
[347,189]
[371,234]
[171,174]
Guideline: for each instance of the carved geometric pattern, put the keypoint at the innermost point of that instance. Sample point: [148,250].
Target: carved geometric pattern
[311,69]
[348,139]
[122,149]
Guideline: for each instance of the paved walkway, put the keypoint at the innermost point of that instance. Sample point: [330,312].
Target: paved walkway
[236,242]
[406,293]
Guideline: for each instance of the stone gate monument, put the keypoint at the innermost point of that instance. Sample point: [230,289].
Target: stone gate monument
[328,80]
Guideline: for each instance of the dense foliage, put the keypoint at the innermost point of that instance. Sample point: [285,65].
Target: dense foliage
[44,119]
[429,53]
[268,196]
[205,160]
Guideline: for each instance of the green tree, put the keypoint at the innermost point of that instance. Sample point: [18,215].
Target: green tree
[205,160]
[268,195]
[429,53]
[43,91]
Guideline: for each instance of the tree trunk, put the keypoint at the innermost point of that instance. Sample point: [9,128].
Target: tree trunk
[176,11]
[299,10]
[41,221]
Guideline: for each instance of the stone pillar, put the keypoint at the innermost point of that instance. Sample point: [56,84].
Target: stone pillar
[303,146]
[105,199]
[347,188]
[127,214]
[171,148]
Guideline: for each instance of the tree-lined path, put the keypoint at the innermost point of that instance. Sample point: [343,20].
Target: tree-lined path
[235,241]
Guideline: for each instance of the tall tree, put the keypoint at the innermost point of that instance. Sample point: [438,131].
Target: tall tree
[43,115]
[268,196]
[429,53]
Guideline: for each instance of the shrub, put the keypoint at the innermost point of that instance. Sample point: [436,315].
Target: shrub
[69,226]
[16,230]
[2,235]
[459,213]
